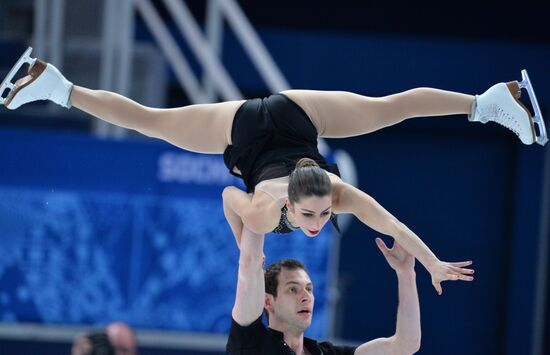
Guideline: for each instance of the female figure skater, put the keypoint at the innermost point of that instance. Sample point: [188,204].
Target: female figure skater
[265,141]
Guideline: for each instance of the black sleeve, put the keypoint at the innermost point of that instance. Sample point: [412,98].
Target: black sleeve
[330,349]
[246,340]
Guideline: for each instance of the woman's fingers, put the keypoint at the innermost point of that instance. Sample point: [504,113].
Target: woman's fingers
[437,286]
[462,270]
[451,272]
[462,263]
[455,277]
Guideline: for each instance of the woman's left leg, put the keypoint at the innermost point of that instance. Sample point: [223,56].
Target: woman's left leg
[338,114]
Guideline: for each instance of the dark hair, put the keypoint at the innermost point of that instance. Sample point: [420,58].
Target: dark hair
[308,179]
[271,275]
[100,344]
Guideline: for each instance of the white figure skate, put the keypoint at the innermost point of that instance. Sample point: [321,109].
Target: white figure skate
[501,104]
[43,82]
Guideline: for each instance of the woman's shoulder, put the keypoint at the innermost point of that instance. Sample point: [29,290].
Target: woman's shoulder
[338,188]
[277,180]
[266,210]
[276,188]
[334,178]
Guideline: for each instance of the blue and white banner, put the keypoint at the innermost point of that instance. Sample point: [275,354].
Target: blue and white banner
[93,231]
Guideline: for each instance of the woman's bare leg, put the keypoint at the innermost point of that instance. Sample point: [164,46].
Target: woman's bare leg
[344,114]
[204,128]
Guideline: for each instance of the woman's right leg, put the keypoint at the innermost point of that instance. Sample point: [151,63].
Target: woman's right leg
[203,128]
[199,128]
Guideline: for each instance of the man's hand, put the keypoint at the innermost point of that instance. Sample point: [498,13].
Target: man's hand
[397,257]
[406,339]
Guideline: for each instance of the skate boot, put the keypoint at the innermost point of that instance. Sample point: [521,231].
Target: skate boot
[43,82]
[501,104]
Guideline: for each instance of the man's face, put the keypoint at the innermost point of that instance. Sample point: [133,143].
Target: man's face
[293,306]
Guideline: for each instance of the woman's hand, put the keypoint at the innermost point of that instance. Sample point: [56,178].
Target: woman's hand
[443,271]
[349,199]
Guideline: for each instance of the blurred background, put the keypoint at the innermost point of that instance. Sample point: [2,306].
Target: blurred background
[99,224]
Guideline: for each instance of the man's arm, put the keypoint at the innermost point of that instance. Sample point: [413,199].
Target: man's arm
[406,339]
[249,301]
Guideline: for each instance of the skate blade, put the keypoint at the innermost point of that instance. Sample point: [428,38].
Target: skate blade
[542,137]
[6,83]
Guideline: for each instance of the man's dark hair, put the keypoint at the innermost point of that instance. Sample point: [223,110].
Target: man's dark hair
[271,275]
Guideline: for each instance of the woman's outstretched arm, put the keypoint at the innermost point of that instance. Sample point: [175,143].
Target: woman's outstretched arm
[349,199]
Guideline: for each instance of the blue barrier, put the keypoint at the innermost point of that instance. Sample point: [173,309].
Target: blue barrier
[95,230]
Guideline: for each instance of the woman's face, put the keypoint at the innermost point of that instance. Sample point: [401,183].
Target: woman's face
[311,213]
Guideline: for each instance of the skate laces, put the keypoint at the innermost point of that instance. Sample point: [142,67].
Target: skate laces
[42,94]
[496,114]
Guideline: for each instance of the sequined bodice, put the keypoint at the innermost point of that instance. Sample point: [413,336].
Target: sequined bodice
[284,226]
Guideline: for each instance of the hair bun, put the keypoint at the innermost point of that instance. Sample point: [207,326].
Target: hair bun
[305,162]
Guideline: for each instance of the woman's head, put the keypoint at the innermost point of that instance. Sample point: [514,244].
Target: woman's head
[308,179]
[310,196]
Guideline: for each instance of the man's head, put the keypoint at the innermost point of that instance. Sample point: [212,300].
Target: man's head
[117,339]
[289,296]
[95,343]
[122,338]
